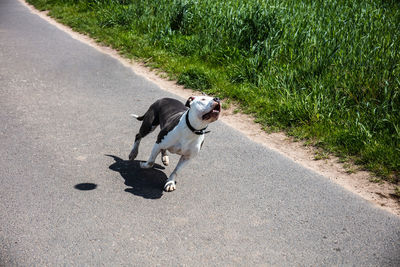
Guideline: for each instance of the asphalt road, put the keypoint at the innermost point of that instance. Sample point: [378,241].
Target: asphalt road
[69,197]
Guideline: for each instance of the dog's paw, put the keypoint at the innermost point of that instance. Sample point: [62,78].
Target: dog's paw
[170,186]
[165,160]
[145,165]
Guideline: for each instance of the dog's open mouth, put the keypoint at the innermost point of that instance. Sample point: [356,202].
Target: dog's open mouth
[214,113]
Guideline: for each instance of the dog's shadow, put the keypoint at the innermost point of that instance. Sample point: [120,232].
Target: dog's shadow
[147,183]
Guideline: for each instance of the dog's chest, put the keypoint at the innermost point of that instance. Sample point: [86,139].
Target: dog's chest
[181,141]
[184,147]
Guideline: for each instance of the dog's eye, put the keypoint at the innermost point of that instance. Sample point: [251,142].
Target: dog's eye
[203,99]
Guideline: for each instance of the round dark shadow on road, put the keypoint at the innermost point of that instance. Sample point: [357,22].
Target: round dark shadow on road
[85,186]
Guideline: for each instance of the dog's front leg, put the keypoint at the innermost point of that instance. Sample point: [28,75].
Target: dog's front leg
[170,185]
[164,157]
[150,162]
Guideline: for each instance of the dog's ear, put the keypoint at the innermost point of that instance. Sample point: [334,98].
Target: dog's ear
[190,99]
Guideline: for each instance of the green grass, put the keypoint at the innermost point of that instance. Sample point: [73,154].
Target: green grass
[326,71]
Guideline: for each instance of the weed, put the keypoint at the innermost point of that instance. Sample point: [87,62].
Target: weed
[376,180]
[194,78]
[350,168]
[397,192]
[226,105]
[320,154]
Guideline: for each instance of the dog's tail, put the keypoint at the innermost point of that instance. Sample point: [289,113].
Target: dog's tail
[139,118]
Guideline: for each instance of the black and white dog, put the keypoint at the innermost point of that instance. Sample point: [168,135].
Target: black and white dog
[182,130]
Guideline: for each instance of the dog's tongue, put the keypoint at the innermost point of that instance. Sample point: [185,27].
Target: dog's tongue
[212,113]
[206,116]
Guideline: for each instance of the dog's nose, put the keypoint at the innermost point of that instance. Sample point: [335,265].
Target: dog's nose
[216,99]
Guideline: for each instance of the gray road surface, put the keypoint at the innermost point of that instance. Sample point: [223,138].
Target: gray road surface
[65,126]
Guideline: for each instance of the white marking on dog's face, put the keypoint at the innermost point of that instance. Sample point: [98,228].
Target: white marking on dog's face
[207,109]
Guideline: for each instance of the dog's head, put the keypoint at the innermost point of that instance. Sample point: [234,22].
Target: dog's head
[204,109]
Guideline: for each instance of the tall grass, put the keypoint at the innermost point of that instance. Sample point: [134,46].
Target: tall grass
[324,70]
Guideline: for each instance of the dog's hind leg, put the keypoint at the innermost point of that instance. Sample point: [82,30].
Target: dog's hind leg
[135,149]
[150,122]
[164,157]
[154,153]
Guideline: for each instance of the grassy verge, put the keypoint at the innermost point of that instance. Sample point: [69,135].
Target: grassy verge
[326,71]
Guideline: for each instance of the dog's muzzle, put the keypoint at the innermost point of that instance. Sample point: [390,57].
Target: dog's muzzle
[215,111]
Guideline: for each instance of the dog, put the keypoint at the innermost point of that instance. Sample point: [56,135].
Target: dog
[182,129]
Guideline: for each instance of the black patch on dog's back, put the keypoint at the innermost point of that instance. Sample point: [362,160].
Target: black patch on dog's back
[169,111]
[170,125]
